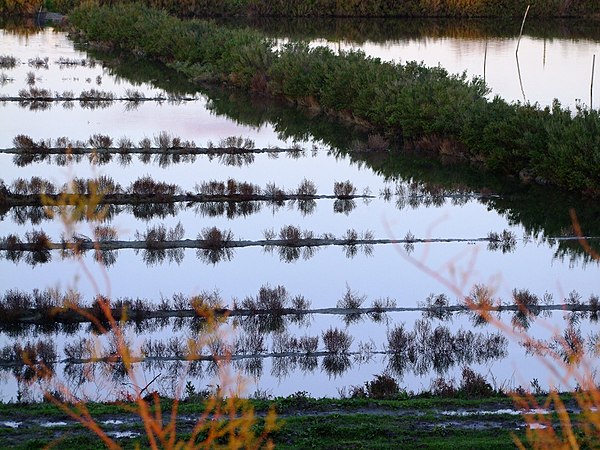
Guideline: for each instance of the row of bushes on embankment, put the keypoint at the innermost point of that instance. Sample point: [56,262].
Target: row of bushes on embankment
[427,106]
[355,8]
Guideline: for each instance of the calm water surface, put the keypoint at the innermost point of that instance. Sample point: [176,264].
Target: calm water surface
[534,215]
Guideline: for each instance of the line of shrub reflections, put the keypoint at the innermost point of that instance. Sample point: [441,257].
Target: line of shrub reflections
[158,245]
[272,310]
[428,349]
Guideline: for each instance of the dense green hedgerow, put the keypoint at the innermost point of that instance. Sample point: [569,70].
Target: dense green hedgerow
[349,8]
[448,114]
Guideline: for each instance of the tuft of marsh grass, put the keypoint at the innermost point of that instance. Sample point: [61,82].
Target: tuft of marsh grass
[233,142]
[506,241]
[38,62]
[379,305]
[100,141]
[8,62]
[147,186]
[34,93]
[436,307]
[30,78]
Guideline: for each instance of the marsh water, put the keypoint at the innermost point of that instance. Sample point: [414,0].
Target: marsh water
[404,197]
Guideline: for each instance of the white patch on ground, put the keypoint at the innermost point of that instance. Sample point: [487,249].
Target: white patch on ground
[54,424]
[123,434]
[511,412]
[112,422]
[10,424]
[536,426]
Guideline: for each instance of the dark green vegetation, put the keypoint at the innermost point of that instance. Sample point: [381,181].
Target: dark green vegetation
[382,30]
[426,108]
[344,8]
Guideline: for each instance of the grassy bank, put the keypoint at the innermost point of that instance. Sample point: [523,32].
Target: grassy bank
[305,423]
[435,111]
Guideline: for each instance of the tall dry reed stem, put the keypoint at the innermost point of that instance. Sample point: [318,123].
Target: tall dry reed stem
[228,421]
[564,362]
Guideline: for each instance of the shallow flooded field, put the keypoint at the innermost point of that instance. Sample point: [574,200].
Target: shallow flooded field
[257,196]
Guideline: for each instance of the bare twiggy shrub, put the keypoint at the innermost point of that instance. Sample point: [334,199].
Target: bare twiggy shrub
[5,79]
[379,306]
[440,387]
[14,250]
[274,193]
[216,242]
[307,344]
[147,186]
[527,304]
[569,347]
[105,233]
[211,188]
[269,234]
[124,143]
[32,360]
[30,78]
[300,303]
[272,299]
[153,235]
[105,185]
[38,62]
[505,241]
[474,384]
[337,341]
[344,189]
[594,303]
[383,386]
[8,62]
[100,141]
[39,239]
[233,142]
[306,188]
[290,234]
[94,95]
[25,143]
[481,304]
[134,95]
[35,93]
[351,300]
[145,144]
[67,95]
[163,140]
[215,238]
[437,307]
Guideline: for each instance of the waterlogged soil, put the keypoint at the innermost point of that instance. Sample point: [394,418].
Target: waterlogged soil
[127,429]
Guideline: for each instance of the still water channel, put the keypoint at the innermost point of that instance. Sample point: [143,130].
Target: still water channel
[405,197]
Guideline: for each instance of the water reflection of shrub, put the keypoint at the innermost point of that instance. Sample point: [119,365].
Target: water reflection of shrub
[351,301]
[337,341]
[426,348]
[215,242]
